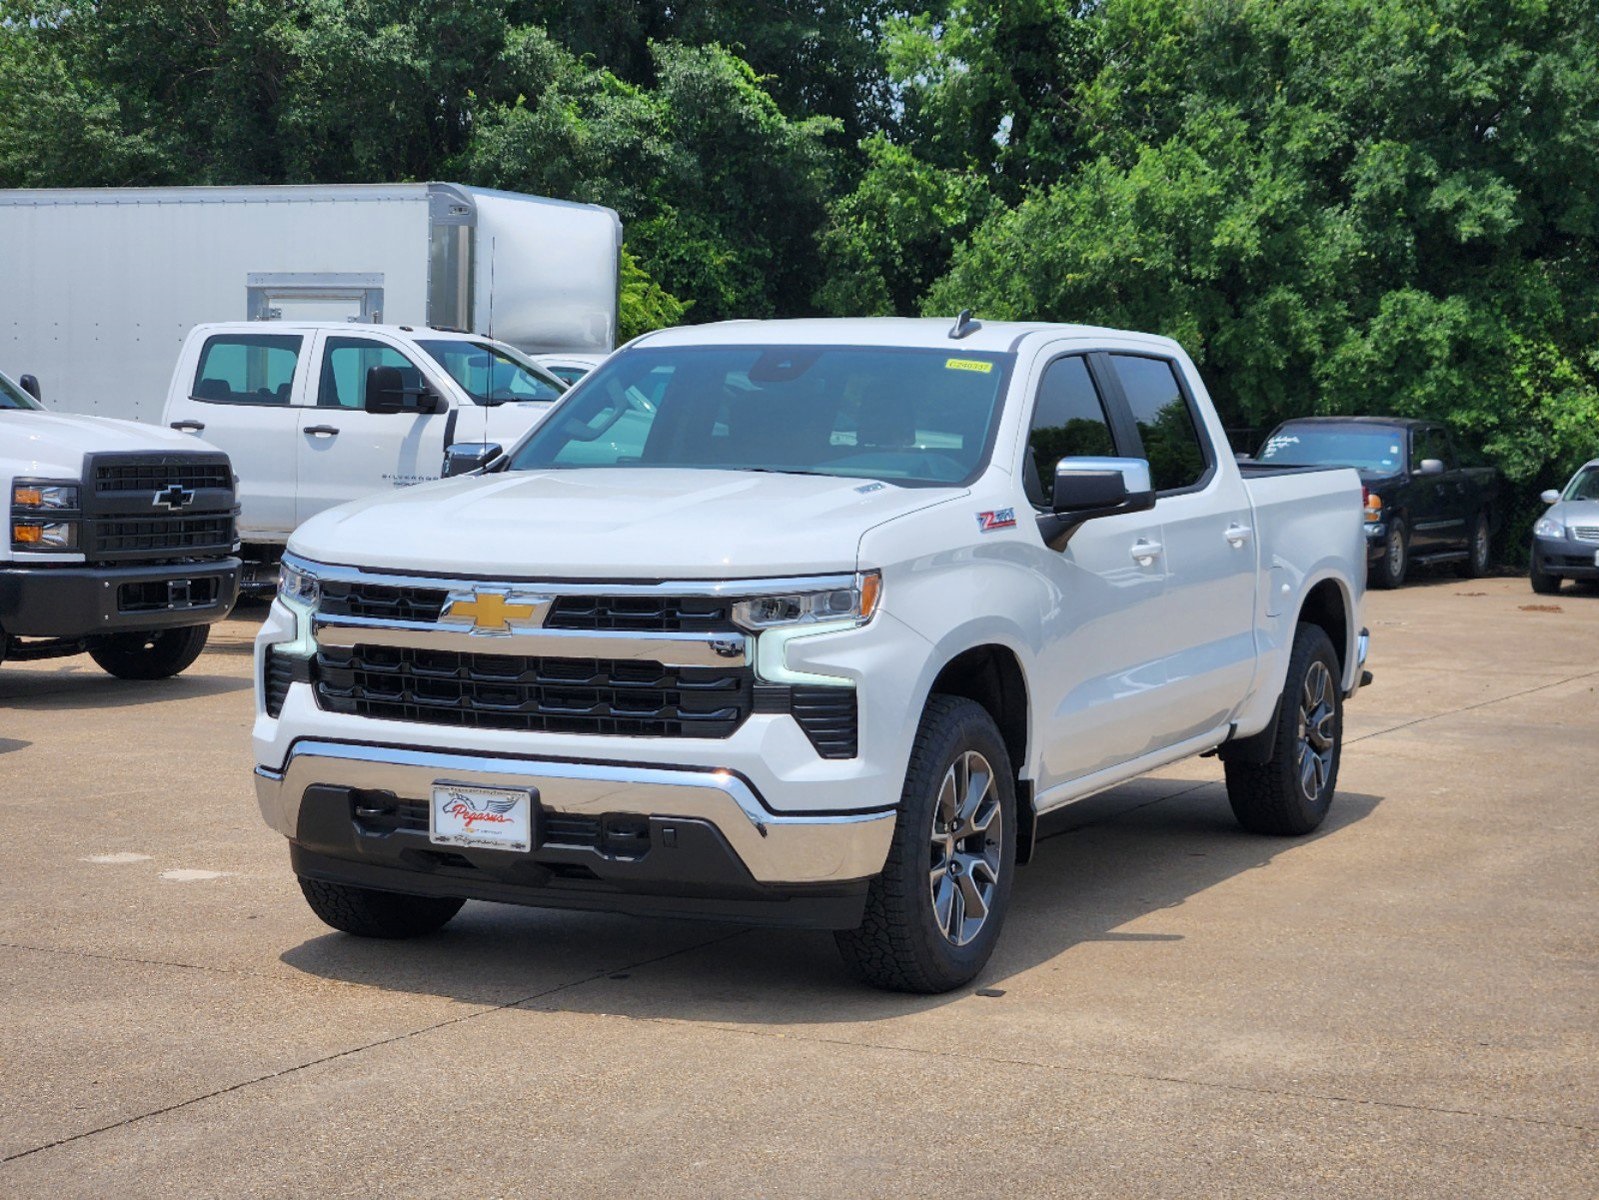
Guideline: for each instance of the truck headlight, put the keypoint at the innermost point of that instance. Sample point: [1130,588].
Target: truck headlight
[1549,527]
[44,535]
[43,495]
[298,585]
[852,603]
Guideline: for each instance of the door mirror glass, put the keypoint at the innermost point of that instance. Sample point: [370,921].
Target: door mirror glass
[1550,496]
[30,384]
[466,458]
[1096,487]
[1430,466]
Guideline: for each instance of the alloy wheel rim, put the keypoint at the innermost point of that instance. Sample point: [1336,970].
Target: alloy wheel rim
[1480,547]
[965,850]
[1396,554]
[1317,736]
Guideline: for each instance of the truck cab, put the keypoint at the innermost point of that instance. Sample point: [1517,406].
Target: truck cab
[314,414]
[121,539]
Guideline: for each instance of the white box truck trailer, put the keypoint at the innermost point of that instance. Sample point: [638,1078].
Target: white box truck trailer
[101,285]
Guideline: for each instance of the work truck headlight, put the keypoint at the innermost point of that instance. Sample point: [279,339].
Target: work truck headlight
[44,535]
[1549,527]
[850,603]
[43,495]
[297,585]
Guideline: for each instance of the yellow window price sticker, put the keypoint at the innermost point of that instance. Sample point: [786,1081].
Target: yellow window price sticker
[968,364]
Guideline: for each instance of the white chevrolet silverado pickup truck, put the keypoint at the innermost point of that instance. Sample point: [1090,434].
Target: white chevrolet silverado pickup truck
[805,623]
[121,539]
[317,413]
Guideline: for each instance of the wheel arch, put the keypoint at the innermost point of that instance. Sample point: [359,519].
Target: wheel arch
[990,674]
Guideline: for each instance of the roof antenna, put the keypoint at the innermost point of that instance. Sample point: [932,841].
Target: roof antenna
[964,325]
[494,244]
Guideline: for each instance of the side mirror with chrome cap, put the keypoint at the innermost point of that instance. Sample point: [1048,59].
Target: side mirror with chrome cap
[1088,488]
[1430,466]
[1549,496]
[469,458]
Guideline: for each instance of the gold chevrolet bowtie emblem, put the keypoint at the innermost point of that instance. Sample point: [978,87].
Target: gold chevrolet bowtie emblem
[491,612]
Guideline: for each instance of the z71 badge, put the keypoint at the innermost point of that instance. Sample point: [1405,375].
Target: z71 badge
[987,522]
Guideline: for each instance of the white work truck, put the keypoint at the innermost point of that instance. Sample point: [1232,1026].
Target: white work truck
[120,541]
[317,413]
[805,622]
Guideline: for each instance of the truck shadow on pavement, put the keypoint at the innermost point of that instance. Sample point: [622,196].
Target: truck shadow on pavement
[88,687]
[1105,864]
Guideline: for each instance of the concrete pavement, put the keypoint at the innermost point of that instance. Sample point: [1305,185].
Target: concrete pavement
[1406,1004]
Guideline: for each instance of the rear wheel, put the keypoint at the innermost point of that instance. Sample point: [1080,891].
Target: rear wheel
[933,915]
[1292,791]
[1543,583]
[1396,557]
[367,913]
[156,655]
[1476,564]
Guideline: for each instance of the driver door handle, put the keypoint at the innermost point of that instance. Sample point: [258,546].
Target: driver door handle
[321,430]
[189,426]
[1238,534]
[1145,551]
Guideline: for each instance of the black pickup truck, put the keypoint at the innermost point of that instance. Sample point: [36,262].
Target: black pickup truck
[1422,506]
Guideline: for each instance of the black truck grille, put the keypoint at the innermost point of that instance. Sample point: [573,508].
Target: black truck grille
[153,507]
[181,537]
[536,694]
[381,601]
[153,473]
[635,614]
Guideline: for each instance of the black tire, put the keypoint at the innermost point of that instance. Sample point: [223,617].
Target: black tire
[1543,583]
[903,943]
[1287,796]
[366,913]
[1395,563]
[156,655]
[1476,564]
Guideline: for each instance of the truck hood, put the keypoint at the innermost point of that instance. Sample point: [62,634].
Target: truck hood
[627,523]
[55,443]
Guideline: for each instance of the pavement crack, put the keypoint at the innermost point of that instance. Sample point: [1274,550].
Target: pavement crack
[484,1011]
[72,952]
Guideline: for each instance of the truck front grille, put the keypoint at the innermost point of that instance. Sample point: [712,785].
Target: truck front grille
[180,537]
[153,473]
[382,601]
[643,614]
[547,695]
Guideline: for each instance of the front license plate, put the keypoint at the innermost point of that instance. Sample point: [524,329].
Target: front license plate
[481,817]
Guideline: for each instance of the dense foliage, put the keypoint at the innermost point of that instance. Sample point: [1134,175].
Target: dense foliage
[1336,205]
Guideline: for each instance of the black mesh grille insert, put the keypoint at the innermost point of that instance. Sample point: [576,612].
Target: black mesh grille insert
[153,475]
[382,601]
[695,614]
[554,695]
[186,536]
[828,717]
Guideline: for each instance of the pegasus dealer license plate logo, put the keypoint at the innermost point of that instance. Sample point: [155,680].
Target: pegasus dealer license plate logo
[481,818]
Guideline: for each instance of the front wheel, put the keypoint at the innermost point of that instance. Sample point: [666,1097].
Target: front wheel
[156,655]
[1544,583]
[1291,792]
[1476,564]
[367,913]
[932,917]
[1396,556]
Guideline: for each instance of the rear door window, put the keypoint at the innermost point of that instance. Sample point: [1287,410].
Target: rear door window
[247,368]
[1172,443]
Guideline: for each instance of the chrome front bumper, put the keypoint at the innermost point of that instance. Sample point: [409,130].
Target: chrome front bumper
[775,849]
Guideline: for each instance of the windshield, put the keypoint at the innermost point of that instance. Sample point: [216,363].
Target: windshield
[1584,484]
[1367,448]
[490,374]
[868,413]
[11,396]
